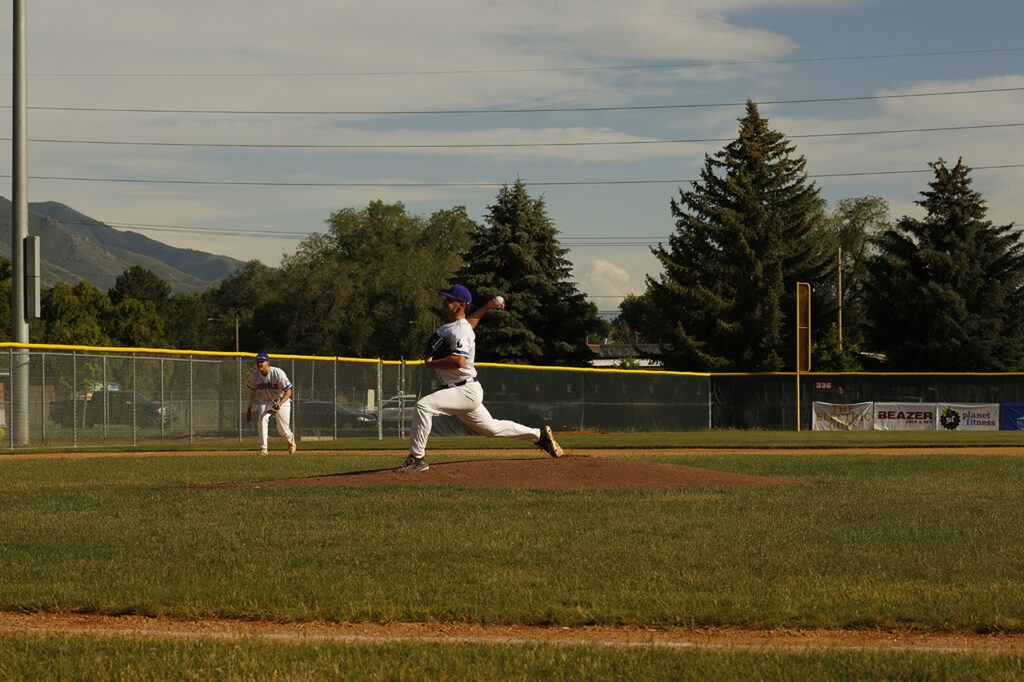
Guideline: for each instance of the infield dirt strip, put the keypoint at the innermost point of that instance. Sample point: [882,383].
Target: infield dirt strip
[580,470]
[720,638]
[571,472]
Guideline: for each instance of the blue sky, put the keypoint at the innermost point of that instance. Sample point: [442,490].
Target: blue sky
[260,61]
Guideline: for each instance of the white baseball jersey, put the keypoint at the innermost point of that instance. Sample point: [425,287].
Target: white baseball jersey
[273,385]
[462,341]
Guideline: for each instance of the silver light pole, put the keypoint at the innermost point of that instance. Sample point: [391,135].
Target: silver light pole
[19,234]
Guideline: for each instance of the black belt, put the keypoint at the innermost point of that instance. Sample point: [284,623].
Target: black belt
[459,383]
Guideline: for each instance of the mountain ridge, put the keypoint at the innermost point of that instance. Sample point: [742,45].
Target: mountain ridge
[75,247]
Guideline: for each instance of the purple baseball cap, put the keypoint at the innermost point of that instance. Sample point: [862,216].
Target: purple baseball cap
[262,357]
[459,293]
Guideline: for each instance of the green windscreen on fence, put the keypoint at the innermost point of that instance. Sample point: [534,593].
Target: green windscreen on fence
[769,401]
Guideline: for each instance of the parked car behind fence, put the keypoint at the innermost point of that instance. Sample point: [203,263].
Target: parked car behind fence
[111,407]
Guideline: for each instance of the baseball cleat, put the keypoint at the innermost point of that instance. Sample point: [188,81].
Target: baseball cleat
[547,443]
[263,451]
[291,447]
[413,465]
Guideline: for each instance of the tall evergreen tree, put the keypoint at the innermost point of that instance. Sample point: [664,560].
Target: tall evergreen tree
[517,255]
[749,229]
[141,284]
[946,293]
[140,300]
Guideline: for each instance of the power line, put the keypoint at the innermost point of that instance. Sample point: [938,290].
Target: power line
[567,241]
[532,110]
[554,183]
[489,145]
[210,231]
[550,69]
[218,231]
[570,242]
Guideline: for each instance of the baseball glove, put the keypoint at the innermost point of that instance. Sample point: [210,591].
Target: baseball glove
[437,347]
[275,407]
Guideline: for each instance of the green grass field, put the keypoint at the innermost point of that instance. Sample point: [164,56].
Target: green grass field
[83,658]
[926,542]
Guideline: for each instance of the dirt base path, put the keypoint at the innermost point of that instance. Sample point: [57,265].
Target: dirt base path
[794,640]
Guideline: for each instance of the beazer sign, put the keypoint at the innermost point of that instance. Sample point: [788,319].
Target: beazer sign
[903,416]
[899,414]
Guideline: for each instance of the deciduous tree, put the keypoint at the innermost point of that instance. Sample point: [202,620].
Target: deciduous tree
[78,315]
[369,287]
[5,299]
[248,293]
[856,222]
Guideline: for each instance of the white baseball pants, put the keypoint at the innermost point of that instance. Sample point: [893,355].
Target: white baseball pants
[466,403]
[283,418]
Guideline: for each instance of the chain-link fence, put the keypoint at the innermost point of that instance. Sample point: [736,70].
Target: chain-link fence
[91,396]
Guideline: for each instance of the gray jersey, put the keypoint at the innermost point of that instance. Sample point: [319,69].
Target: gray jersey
[273,385]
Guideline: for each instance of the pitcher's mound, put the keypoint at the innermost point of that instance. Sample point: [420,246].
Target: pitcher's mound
[565,473]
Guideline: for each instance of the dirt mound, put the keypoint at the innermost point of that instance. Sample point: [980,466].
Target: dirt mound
[565,473]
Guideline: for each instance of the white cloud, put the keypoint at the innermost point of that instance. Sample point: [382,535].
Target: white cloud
[600,277]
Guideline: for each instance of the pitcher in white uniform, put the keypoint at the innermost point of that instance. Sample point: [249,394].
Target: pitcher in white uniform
[461,394]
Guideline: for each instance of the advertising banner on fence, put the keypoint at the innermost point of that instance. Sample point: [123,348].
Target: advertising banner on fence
[1011,417]
[832,417]
[963,417]
[904,416]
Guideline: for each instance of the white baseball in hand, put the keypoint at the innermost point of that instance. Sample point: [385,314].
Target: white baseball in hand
[499,301]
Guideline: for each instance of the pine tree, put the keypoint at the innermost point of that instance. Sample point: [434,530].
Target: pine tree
[516,254]
[946,293]
[749,229]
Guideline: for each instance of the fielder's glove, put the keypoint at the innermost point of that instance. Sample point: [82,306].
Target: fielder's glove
[275,406]
[437,347]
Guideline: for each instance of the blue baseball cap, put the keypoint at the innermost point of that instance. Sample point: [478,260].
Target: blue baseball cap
[262,357]
[459,293]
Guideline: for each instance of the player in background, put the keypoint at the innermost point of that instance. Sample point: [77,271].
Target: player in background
[461,393]
[277,391]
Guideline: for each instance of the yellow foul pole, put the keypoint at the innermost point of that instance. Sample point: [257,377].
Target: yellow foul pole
[803,338]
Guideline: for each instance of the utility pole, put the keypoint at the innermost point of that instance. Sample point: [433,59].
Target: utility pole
[840,299]
[19,235]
